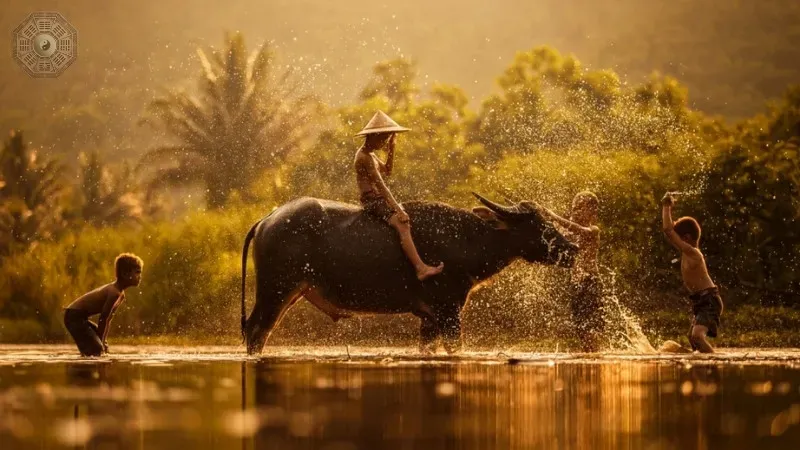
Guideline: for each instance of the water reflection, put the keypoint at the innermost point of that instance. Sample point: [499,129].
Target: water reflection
[483,406]
[397,404]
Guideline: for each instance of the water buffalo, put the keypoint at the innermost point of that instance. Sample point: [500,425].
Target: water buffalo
[344,261]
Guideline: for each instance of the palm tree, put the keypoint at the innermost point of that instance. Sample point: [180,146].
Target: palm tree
[246,118]
[30,195]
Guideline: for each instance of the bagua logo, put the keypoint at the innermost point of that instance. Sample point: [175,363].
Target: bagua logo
[45,44]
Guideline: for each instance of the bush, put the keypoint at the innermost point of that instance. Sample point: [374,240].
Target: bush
[190,282]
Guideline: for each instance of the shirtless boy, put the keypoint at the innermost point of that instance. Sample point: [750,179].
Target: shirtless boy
[684,234]
[91,338]
[585,287]
[375,196]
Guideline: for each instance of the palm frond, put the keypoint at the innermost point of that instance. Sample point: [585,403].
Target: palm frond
[259,65]
[165,153]
[208,69]
[182,175]
[246,117]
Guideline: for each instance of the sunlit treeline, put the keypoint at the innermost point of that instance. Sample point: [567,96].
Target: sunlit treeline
[249,137]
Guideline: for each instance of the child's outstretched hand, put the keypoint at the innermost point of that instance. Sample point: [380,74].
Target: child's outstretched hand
[668,199]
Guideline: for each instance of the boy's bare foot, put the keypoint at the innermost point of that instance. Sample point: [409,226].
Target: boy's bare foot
[427,271]
[673,347]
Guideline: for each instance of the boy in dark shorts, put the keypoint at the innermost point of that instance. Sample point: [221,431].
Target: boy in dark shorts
[586,290]
[684,234]
[91,338]
[375,196]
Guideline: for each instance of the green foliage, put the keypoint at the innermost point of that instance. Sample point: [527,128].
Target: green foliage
[428,160]
[548,101]
[104,196]
[21,331]
[190,280]
[30,194]
[552,130]
[395,80]
[753,204]
[246,118]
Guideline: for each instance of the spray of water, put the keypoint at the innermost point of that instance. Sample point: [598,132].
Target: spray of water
[623,328]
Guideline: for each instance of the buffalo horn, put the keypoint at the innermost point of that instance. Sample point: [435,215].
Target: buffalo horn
[500,209]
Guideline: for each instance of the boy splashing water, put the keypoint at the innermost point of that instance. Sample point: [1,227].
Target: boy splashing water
[91,338]
[586,291]
[375,196]
[707,307]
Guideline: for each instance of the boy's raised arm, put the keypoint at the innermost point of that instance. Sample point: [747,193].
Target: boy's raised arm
[377,180]
[386,168]
[568,224]
[668,226]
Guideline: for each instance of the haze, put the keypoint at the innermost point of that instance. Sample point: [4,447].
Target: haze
[733,55]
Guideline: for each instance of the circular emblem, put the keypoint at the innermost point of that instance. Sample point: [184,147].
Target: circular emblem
[45,44]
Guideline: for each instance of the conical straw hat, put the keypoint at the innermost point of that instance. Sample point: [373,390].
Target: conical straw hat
[381,123]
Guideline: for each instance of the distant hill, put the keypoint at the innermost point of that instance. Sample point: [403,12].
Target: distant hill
[733,55]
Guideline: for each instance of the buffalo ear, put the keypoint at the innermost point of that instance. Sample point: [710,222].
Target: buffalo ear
[490,217]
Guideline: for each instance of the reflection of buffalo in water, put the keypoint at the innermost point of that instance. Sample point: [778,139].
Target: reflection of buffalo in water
[343,260]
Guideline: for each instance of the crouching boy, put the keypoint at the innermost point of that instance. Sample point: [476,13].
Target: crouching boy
[91,338]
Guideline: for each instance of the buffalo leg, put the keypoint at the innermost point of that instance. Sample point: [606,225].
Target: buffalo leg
[450,326]
[271,304]
[428,328]
[428,332]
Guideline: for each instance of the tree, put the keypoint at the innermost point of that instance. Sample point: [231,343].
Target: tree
[429,160]
[247,117]
[753,204]
[106,197]
[393,79]
[548,100]
[30,195]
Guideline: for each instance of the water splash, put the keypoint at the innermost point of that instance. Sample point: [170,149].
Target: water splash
[623,326]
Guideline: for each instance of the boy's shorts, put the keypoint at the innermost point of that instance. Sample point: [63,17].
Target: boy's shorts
[706,309]
[586,305]
[83,332]
[377,206]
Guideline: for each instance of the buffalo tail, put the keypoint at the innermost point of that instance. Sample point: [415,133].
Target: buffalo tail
[247,239]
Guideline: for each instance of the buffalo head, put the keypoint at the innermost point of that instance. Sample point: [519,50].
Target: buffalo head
[538,240]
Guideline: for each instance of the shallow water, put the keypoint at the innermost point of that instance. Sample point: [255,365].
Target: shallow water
[347,398]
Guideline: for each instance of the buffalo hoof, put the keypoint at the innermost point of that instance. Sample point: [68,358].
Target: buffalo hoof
[253,349]
[256,338]
[427,349]
[452,347]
